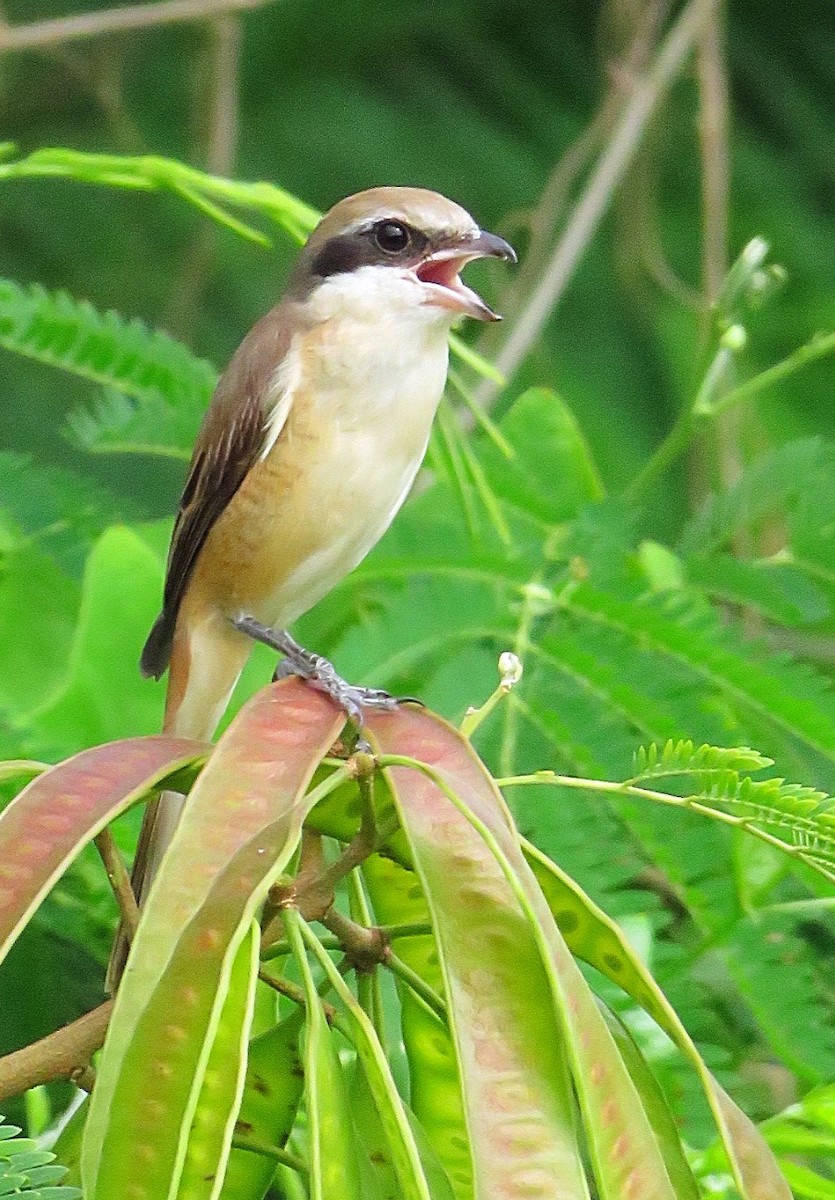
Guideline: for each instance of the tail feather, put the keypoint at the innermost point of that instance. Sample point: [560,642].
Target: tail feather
[205,663]
[156,653]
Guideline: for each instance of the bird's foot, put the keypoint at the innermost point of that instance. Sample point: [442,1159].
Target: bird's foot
[317,671]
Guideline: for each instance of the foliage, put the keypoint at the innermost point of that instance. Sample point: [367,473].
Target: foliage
[644,515]
[501,1031]
[26,1170]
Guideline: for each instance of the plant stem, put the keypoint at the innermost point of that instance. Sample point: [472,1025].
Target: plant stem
[116,20]
[691,418]
[713,125]
[599,190]
[608,787]
[276,1153]
[59,1055]
[419,986]
[389,932]
[819,347]
[119,879]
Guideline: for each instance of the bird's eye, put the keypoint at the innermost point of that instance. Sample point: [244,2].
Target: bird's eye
[392,236]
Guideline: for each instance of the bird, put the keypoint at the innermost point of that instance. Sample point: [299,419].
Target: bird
[309,446]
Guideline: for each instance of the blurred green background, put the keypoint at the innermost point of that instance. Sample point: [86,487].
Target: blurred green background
[639,618]
[479,100]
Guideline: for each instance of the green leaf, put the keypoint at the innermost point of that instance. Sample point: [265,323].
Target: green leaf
[151,172]
[52,511]
[104,696]
[102,347]
[783,593]
[38,613]
[771,482]
[552,473]
[116,424]
[777,692]
[684,758]
[27,1171]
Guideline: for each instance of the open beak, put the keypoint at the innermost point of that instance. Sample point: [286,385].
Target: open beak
[440,272]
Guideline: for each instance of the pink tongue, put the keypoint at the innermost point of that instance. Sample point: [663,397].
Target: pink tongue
[444,273]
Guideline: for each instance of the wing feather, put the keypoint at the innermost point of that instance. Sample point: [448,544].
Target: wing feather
[246,415]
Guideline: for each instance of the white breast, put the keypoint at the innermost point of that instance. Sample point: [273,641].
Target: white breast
[375,369]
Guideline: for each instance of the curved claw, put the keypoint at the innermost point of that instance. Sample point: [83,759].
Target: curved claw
[319,673]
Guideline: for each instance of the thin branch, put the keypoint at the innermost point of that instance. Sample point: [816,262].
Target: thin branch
[714,120]
[390,932]
[691,419]
[601,187]
[713,139]
[795,850]
[284,987]
[60,1055]
[364,945]
[116,20]
[276,1153]
[223,116]
[119,880]
[422,990]
[222,103]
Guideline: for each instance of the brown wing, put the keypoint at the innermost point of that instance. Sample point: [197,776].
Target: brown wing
[229,442]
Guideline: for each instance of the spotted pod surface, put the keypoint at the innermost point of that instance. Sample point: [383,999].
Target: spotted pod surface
[623,1144]
[238,831]
[508,1047]
[48,824]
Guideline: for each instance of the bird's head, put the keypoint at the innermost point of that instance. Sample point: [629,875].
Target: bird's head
[403,243]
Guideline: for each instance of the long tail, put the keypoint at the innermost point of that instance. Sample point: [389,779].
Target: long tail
[206,661]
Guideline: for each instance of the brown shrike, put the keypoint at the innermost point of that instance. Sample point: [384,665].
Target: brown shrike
[310,445]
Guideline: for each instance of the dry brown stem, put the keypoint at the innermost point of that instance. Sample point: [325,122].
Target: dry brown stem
[64,1054]
[116,20]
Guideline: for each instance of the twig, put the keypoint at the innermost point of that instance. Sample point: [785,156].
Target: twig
[713,138]
[391,933]
[221,145]
[284,987]
[795,850]
[59,1055]
[223,116]
[600,188]
[623,69]
[276,1153]
[426,994]
[365,946]
[691,419]
[119,879]
[116,20]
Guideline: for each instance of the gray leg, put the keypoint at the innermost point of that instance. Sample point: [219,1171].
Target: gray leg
[318,672]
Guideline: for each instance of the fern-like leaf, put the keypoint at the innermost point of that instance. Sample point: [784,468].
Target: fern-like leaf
[712,778]
[773,691]
[116,424]
[146,366]
[57,509]
[770,484]
[683,757]
[26,1170]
